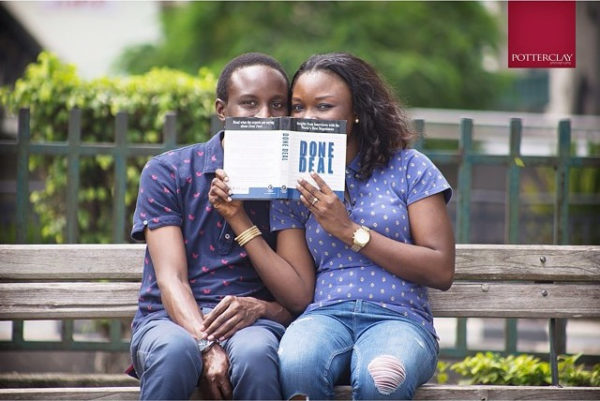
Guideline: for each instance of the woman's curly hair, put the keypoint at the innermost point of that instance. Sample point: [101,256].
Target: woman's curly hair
[384,126]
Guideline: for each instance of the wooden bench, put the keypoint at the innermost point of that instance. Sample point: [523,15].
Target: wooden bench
[500,281]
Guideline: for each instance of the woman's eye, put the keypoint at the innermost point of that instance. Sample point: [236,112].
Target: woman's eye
[296,107]
[324,106]
[277,105]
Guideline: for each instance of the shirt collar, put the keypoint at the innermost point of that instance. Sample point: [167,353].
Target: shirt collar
[214,153]
[354,164]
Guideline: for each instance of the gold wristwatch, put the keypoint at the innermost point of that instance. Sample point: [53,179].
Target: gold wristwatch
[360,238]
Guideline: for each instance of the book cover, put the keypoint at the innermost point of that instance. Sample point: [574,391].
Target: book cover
[264,157]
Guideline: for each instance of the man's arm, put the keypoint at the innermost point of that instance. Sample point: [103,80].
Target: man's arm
[167,251]
[170,264]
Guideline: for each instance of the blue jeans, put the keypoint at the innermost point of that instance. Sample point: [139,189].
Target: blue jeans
[384,355]
[167,360]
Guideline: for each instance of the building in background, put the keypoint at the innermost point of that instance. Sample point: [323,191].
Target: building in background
[89,34]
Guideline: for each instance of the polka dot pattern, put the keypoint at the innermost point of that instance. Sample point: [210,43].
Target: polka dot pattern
[381,203]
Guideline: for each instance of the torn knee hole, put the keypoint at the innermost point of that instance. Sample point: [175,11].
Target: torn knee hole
[387,372]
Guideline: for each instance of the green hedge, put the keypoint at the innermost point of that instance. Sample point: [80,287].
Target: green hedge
[523,370]
[51,88]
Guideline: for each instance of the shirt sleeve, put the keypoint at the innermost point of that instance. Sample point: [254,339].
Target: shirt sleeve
[157,203]
[288,214]
[425,179]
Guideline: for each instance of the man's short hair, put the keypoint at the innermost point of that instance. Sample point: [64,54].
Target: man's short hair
[245,60]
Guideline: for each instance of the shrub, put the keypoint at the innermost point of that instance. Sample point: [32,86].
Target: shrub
[492,368]
[51,88]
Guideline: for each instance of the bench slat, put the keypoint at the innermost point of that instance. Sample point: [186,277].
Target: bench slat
[68,300]
[71,262]
[519,300]
[524,262]
[473,262]
[79,300]
[426,392]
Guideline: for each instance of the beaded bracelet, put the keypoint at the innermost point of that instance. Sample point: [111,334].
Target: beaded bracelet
[248,235]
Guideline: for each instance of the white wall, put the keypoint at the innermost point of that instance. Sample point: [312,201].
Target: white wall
[89,34]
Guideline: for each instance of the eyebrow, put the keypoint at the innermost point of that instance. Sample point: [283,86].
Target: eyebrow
[318,98]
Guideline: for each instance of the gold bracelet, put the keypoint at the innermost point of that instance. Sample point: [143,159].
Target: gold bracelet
[245,233]
[248,235]
[243,240]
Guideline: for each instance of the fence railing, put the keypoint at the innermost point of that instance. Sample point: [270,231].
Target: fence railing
[465,157]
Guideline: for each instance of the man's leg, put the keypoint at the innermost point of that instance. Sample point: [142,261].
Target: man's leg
[166,359]
[253,361]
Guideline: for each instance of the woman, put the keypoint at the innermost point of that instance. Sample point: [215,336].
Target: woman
[375,252]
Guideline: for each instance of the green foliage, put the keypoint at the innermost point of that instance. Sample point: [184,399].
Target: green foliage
[440,373]
[50,89]
[492,368]
[430,52]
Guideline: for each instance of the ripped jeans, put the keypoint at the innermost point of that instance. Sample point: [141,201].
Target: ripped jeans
[382,354]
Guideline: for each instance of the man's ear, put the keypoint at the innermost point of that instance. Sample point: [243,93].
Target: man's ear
[220,106]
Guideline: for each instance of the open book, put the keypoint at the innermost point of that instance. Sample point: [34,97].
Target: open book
[264,157]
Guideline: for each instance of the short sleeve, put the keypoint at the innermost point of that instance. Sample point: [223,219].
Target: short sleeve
[288,214]
[157,203]
[425,179]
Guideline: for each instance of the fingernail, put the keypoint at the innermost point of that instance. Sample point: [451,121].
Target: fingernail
[229,199]
[211,338]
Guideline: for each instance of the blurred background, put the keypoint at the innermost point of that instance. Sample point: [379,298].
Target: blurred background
[445,60]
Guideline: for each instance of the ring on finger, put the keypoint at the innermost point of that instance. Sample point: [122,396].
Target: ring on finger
[314,201]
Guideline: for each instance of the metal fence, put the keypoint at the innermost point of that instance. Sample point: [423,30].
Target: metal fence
[465,157]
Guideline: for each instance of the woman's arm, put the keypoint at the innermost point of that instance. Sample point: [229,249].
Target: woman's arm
[289,273]
[430,261]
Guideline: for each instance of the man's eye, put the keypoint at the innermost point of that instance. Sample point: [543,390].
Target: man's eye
[277,105]
[296,107]
[251,103]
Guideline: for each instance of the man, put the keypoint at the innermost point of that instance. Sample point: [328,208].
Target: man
[193,264]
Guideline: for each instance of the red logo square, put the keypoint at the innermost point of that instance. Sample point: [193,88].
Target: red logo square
[541,34]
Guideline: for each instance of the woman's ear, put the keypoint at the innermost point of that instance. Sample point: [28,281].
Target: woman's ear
[220,106]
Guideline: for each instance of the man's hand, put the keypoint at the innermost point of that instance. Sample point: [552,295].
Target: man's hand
[214,382]
[230,315]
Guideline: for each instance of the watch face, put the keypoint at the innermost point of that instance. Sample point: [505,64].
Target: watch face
[361,236]
[203,344]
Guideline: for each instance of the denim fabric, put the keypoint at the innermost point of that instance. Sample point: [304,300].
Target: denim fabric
[336,343]
[166,358]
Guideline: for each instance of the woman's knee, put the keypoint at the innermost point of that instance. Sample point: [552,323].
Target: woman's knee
[387,377]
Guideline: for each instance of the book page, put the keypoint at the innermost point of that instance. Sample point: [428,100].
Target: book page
[324,154]
[318,146]
[252,162]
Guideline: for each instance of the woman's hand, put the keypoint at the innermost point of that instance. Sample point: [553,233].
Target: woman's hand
[327,208]
[219,196]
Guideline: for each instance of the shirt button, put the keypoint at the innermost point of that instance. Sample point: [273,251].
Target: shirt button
[227,236]
[145,222]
